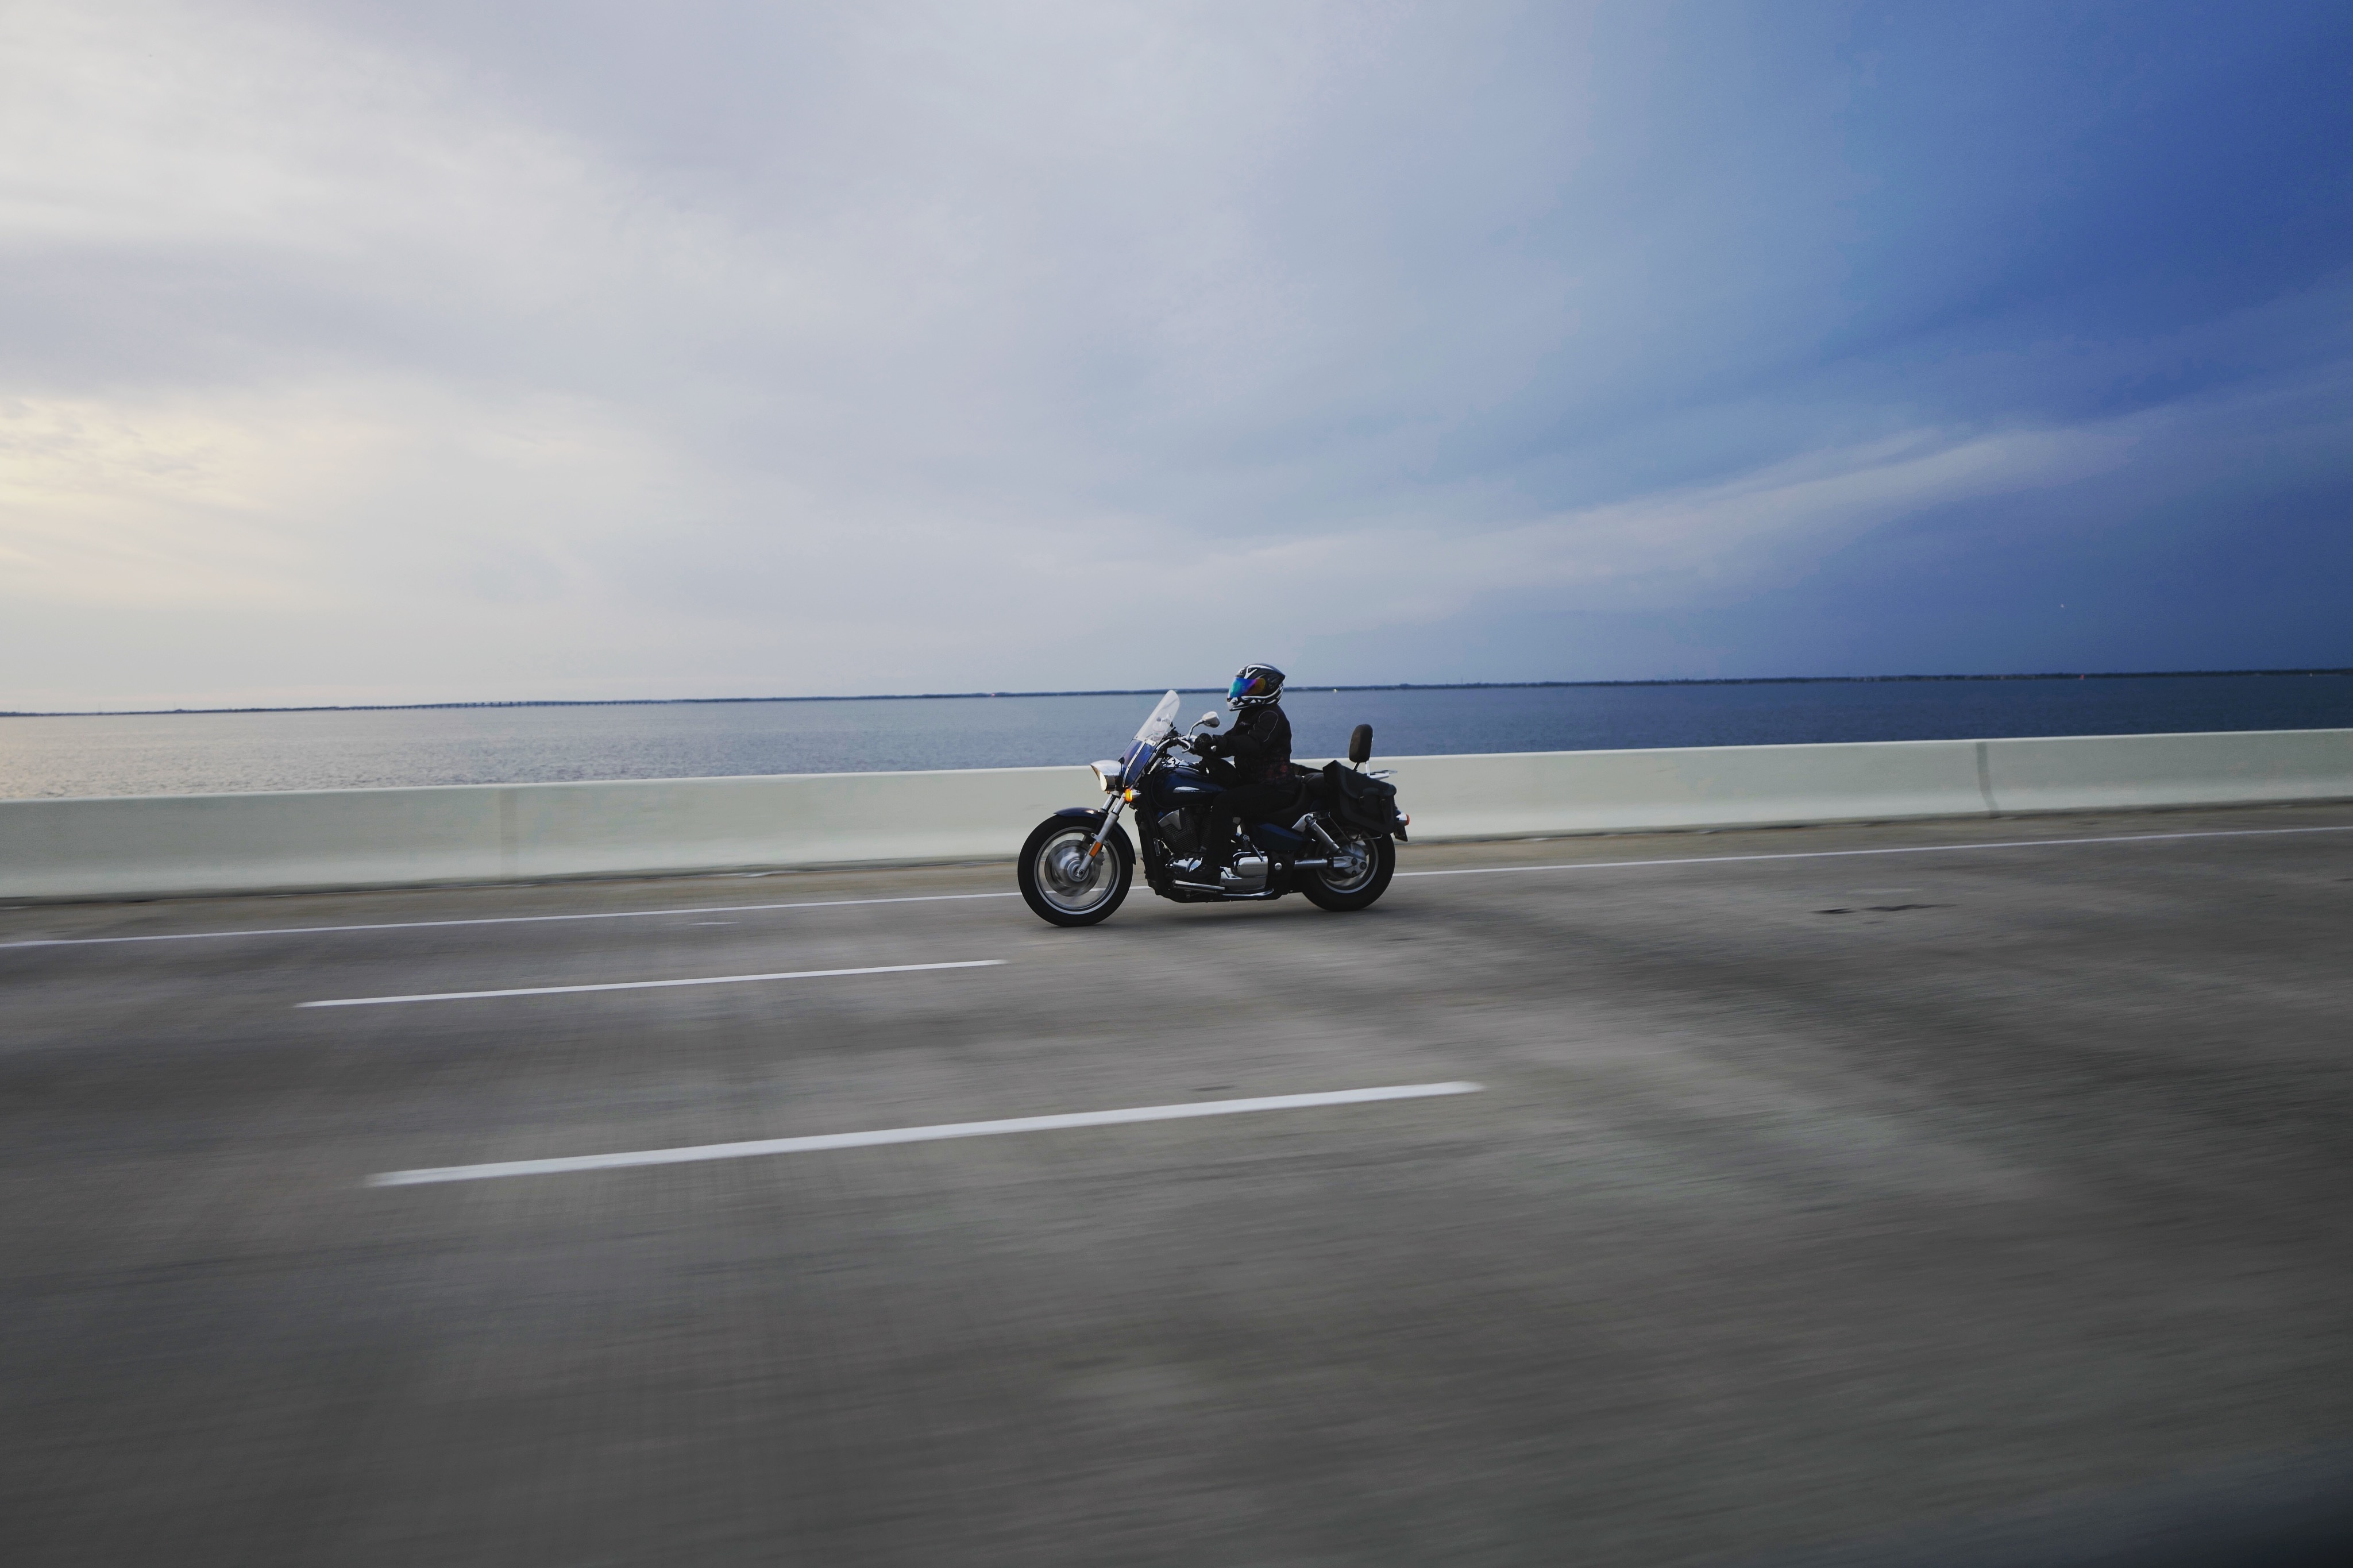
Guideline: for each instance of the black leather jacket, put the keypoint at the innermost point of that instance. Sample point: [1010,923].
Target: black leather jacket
[1259,742]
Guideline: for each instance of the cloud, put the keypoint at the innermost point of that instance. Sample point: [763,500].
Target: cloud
[390,351]
[1675,544]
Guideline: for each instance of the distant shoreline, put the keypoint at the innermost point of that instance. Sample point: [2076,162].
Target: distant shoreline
[1152,690]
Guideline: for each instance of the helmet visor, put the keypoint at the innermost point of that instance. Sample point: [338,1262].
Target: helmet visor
[1248,685]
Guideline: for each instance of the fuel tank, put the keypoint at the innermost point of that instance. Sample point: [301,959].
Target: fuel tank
[1183,786]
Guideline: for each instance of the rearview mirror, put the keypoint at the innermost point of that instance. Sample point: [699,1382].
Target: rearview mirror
[1360,744]
[1210,720]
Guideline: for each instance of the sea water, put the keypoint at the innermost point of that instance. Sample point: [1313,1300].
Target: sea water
[180,753]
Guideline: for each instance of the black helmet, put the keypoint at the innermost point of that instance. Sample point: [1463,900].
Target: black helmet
[1254,684]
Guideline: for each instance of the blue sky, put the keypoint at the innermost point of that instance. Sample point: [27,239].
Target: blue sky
[425,351]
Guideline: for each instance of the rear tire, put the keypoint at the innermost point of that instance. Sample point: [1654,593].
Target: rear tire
[1355,892]
[1056,884]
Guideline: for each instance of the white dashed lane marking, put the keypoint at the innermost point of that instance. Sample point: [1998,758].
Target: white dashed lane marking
[913,1134]
[647,984]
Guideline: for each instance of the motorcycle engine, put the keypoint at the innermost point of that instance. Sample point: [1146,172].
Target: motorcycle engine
[1179,832]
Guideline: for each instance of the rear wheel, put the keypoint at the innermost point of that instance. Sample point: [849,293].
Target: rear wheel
[1061,884]
[1366,864]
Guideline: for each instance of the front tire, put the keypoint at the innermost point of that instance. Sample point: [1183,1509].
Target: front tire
[1342,891]
[1059,884]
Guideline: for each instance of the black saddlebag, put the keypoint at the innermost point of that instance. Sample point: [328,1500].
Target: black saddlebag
[1361,800]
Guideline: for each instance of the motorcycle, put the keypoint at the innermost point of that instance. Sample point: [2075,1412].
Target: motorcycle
[1339,848]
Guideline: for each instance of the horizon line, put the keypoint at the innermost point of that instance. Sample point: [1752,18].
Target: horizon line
[1145,692]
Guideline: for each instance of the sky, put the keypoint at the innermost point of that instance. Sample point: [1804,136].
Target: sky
[439,352]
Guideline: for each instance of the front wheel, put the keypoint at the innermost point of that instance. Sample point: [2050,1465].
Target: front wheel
[1363,875]
[1061,884]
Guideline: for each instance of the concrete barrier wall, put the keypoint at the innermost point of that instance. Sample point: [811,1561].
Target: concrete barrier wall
[1512,794]
[2069,775]
[159,844]
[471,832]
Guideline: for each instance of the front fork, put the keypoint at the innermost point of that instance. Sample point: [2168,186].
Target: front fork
[1111,820]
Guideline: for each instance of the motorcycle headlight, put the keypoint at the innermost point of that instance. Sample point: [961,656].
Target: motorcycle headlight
[1107,777]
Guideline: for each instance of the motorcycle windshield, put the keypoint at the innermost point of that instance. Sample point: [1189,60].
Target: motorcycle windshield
[1161,724]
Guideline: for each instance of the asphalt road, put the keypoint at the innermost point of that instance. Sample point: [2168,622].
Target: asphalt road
[1808,1196]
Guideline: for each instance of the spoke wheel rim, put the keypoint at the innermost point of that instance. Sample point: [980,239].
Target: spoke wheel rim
[1366,860]
[1067,880]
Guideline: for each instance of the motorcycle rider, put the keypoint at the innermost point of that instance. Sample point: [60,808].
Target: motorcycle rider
[1259,742]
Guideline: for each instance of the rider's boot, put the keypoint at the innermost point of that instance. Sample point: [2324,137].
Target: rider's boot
[1216,853]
